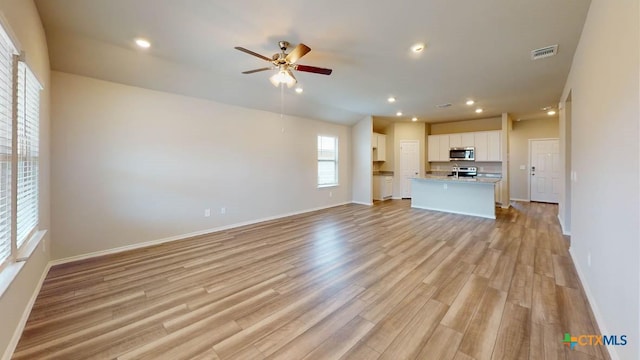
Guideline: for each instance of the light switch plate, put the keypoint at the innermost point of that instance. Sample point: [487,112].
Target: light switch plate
[523,167]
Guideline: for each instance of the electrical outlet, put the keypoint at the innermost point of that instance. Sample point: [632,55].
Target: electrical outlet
[523,167]
[330,193]
[589,259]
[223,211]
[481,168]
[207,212]
[445,186]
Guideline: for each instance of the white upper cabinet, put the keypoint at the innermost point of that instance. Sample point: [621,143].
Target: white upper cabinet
[487,144]
[438,148]
[495,144]
[461,140]
[482,146]
[433,148]
[444,147]
[379,144]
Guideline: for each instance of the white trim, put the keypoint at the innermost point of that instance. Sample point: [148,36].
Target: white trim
[396,198]
[516,199]
[454,212]
[593,305]
[362,203]
[505,206]
[184,236]
[25,315]
[564,232]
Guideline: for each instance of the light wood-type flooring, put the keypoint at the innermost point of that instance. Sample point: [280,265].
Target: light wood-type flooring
[350,282]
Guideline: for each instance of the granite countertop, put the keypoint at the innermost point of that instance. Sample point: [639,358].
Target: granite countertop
[479,179]
[383,173]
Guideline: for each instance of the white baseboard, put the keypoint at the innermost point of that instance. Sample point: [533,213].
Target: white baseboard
[362,203]
[25,316]
[564,231]
[524,200]
[594,306]
[185,236]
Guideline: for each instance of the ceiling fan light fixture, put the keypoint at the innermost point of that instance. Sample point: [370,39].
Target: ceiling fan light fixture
[282,77]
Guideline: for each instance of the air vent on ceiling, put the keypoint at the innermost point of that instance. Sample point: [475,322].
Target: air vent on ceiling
[544,52]
[442,106]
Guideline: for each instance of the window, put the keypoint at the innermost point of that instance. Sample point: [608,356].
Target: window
[7,60]
[327,161]
[27,152]
[19,157]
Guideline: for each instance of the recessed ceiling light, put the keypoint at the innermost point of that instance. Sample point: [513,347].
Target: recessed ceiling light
[470,102]
[399,113]
[551,112]
[479,110]
[414,119]
[391,99]
[145,44]
[416,48]
[299,90]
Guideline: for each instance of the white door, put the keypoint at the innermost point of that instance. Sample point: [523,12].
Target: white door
[544,174]
[409,165]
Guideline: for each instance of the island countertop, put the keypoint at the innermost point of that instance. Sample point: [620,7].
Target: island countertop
[478,180]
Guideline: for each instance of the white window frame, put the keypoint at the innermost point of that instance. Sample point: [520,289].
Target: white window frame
[29,99]
[335,161]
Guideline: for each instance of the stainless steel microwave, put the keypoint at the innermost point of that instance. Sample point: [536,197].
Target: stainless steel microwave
[462,154]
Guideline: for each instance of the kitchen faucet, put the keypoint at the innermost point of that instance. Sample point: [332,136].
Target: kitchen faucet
[456,169]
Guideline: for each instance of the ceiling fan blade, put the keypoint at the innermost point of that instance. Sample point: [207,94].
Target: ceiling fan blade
[300,51]
[256,70]
[253,53]
[313,69]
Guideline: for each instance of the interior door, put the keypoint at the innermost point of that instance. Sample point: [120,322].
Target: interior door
[409,165]
[545,170]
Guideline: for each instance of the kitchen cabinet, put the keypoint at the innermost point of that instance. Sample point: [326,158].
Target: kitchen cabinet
[461,140]
[481,139]
[487,144]
[444,148]
[382,187]
[438,147]
[494,143]
[379,147]
[499,192]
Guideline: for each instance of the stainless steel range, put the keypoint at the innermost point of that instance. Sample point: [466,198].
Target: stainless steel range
[464,171]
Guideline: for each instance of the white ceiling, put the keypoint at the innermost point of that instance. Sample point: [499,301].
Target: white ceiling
[475,49]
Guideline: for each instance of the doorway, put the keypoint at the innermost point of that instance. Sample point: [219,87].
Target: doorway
[409,165]
[544,170]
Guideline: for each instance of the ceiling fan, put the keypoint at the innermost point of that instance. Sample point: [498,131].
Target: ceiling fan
[285,63]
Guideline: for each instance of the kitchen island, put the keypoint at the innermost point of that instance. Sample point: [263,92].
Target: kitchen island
[467,196]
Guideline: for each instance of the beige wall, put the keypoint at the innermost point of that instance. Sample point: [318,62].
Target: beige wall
[605,145]
[362,161]
[23,20]
[466,126]
[519,137]
[132,165]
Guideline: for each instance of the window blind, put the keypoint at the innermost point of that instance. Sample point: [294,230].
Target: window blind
[327,160]
[28,121]
[7,51]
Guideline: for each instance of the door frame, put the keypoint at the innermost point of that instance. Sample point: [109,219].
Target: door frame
[529,163]
[407,141]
